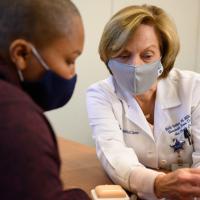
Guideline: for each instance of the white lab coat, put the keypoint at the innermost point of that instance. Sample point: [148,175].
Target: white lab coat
[125,143]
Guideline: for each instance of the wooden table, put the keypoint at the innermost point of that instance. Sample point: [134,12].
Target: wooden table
[80,166]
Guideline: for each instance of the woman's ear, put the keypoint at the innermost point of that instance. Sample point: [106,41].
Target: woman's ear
[20,51]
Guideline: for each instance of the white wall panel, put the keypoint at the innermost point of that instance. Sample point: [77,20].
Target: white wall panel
[198,43]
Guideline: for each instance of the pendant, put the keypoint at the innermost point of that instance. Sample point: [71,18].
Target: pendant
[178,148]
[177,145]
[147,116]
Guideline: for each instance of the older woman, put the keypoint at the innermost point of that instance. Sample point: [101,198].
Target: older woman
[146,116]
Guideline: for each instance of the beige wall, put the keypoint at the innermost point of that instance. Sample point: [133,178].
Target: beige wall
[71,120]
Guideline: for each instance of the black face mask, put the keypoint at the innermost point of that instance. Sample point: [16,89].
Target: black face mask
[51,91]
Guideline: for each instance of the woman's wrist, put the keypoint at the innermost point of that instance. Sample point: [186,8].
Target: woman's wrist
[157,182]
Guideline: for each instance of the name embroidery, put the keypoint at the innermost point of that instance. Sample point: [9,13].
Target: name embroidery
[130,132]
[179,127]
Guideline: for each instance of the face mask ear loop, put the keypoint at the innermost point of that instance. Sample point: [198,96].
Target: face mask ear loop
[160,67]
[39,58]
[21,77]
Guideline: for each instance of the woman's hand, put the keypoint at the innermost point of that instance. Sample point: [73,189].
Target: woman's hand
[182,184]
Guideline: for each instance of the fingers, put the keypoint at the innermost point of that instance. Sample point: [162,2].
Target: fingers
[188,176]
[193,170]
[181,184]
[193,191]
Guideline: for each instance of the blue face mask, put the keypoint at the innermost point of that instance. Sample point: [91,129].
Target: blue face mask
[135,79]
[51,91]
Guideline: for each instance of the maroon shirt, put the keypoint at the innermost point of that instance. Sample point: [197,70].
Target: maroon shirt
[29,159]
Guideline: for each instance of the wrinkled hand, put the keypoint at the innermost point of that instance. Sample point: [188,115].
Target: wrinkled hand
[182,184]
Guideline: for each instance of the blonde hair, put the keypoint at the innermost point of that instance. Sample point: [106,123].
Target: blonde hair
[122,25]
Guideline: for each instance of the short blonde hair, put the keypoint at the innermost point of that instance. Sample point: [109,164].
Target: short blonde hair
[122,25]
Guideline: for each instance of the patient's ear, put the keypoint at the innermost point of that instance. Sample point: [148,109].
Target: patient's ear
[20,52]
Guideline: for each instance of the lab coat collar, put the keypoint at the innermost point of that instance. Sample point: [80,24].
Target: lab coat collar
[167,94]
[133,112]
[114,88]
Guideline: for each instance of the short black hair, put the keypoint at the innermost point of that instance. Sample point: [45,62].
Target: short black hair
[37,21]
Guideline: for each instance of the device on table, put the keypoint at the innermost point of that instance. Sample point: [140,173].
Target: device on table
[109,192]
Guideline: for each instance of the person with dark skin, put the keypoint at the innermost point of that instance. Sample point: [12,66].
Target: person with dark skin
[39,43]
